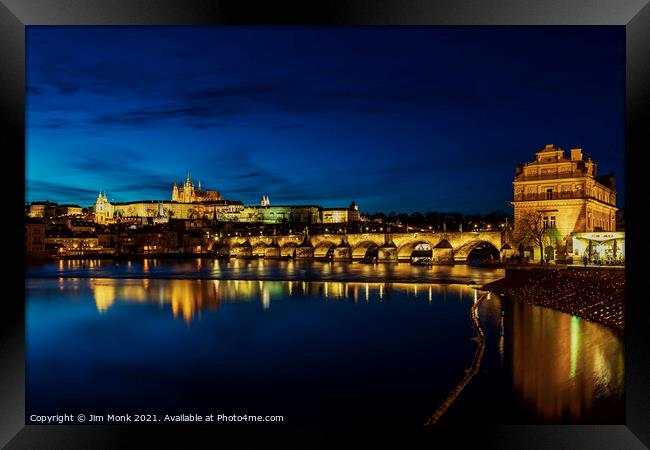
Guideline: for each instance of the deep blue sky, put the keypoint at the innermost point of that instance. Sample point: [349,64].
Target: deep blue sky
[397,119]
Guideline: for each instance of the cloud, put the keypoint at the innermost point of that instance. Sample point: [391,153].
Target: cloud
[48,188]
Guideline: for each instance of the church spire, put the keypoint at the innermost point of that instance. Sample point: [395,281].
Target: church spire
[199,185]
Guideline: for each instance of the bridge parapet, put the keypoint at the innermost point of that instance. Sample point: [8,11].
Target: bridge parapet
[448,246]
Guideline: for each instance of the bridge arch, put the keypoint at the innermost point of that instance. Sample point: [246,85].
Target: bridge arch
[220,249]
[421,247]
[365,249]
[241,249]
[463,252]
[324,249]
[259,248]
[288,249]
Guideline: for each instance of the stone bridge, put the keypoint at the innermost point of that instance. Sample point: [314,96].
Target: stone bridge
[442,247]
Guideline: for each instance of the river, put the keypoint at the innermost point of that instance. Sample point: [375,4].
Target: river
[315,342]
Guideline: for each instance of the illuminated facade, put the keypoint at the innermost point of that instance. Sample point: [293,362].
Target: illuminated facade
[605,247]
[190,203]
[186,203]
[301,214]
[568,194]
[52,209]
[187,194]
[340,215]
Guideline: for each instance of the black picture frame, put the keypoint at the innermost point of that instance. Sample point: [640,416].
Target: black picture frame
[15,15]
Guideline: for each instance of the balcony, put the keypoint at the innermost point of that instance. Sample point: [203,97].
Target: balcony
[557,196]
[551,176]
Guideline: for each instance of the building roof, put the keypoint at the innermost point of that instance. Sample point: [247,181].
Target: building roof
[550,148]
[46,203]
[34,221]
[283,206]
[443,244]
[166,202]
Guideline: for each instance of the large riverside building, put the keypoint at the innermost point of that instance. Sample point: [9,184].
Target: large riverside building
[189,202]
[568,195]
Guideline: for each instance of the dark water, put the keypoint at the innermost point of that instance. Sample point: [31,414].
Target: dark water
[230,339]
[260,269]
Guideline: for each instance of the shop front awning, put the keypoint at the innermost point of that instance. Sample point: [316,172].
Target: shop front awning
[600,236]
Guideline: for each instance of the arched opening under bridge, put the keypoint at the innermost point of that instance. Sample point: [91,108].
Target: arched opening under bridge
[483,252]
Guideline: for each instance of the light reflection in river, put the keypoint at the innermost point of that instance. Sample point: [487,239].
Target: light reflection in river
[562,364]
[266,270]
[187,297]
[557,365]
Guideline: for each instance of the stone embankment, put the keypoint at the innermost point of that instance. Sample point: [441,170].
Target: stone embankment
[591,293]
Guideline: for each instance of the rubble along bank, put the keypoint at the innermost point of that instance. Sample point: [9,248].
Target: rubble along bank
[591,293]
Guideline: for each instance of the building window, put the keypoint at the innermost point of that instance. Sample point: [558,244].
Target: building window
[551,222]
[549,194]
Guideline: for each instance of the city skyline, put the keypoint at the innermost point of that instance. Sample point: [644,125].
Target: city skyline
[409,119]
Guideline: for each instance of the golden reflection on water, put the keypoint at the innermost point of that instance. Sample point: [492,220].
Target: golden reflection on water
[561,363]
[104,296]
[188,297]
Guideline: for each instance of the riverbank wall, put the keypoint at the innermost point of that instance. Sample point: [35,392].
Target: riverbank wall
[596,294]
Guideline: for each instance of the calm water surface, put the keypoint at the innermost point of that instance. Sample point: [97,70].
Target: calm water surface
[315,342]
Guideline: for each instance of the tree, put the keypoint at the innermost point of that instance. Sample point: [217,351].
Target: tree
[530,229]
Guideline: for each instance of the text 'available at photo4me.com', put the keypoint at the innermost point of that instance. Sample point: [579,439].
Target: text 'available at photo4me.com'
[149,418]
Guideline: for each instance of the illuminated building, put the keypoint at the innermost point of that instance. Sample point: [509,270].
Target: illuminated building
[34,238]
[601,246]
[353,213]
[41,209]
[569,196]
[187,203]
[334,215]
[71,242]
[340,215]
[301,214]
[190,203]
[69,210]
[187,194]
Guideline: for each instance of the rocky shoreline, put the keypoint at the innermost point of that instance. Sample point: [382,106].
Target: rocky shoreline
[590,293]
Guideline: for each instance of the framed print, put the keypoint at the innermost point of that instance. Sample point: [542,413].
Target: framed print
[264,222]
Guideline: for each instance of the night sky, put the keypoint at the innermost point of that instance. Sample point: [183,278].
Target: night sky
[397,119]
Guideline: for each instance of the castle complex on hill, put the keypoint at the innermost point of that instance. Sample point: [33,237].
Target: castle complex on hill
[574,210]
[188,202]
